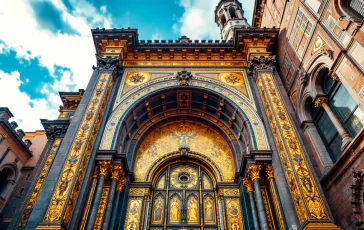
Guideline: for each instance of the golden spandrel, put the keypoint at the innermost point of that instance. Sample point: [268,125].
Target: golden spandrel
[307,198]
[171,136]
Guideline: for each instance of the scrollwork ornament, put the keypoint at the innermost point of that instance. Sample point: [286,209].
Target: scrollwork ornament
[320,102]
[247,184]
[269,171]
[104,168]
[116,171]
[254,170]
[121,184]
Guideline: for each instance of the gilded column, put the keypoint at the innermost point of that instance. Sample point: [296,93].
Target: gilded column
[55,131]
[273,192]
[253,171]
[75,155]
[248,186]
[116,171]
[119,188]
[307,199]
[104,170]
[322,102]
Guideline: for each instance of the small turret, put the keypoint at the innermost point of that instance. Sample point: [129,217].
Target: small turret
[229,14]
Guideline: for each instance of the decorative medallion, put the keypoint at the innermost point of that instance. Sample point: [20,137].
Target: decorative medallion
[319,43]
[233,79]
[135,79]
[184,177]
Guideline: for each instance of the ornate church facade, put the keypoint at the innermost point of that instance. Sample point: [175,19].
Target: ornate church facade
[260,130]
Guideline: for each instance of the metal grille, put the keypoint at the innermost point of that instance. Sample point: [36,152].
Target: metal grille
[358,6]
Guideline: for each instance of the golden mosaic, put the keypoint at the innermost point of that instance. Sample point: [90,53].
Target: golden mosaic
[198,137]
[233,79]
[137,78]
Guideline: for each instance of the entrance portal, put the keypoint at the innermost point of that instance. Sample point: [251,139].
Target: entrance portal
[184,198]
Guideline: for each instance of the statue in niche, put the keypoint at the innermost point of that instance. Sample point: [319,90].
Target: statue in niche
[174,212]
[209,210]
[158,210]
[192,210]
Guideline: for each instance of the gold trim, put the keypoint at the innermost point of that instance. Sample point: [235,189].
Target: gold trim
[39,183]
[65,194]
[89,199]
[101,209]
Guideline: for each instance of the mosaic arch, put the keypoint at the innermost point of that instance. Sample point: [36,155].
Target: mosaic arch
[203,141]
[128,100]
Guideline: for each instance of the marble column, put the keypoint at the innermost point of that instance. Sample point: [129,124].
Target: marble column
[322,102]
[273,191]
[248,186]
[254,170]
[116,171]
[119,188]
[104,170]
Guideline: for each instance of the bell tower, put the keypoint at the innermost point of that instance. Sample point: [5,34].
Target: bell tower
[229,14]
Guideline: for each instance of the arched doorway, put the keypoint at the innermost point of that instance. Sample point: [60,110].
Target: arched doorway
[184,198]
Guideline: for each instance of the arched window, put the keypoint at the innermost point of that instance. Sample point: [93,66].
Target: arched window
[223,20]
[345,109]
[357,6]
[232,13]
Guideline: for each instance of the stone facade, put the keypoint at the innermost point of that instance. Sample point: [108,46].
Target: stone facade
[334,42]
[146,145]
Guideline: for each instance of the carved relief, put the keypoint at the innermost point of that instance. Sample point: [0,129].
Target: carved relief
[233,212]
[198,137]
[132,221]
[134,79]
[233,79]
[307,199]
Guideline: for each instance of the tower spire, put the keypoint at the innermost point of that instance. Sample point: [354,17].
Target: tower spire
[229,14]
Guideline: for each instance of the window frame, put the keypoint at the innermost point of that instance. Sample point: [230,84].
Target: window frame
[294,32]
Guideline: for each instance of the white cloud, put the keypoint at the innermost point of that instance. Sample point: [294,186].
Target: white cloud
[157,36]
[20,31]
[198,20]
[26,111]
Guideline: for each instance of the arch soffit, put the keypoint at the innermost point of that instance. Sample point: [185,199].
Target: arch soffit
[193,157]
[312,88]
[134,96]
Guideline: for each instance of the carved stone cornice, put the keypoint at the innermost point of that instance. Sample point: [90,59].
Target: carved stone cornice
[55,128]
[107,64]
[261,63]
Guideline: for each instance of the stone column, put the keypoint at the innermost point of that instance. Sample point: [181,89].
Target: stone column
[248,186]
[273,192]
[254,170]
[116,170]
[104,170]
[322,102]
[311,132]
[119,188]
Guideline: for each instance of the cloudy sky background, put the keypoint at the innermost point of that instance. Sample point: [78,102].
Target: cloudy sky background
[46,46]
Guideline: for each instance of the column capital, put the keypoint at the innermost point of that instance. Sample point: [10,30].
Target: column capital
[247,184]
[269,171]
[116,171]
[107,63]
[254,170]
[320,102]
[261,63]
[104,168]
[121,184]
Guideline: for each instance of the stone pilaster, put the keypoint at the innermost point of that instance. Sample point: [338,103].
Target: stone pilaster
[307,197]
[75,154]
[248,187]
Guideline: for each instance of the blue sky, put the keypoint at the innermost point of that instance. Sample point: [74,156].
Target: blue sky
[46,46]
